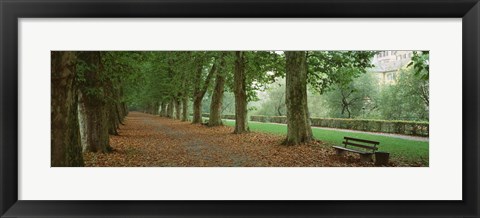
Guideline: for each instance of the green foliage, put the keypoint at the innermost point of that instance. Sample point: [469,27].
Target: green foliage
[421,64]
[356,99]
[274,105]
[262,67]
[328,68]
[337,82]
[407,99]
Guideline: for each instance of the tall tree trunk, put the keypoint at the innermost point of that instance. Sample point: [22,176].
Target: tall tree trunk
[197,110]
[185,108]
[113,122]
[66,150]
[125,109]
[163,110]
[170,109]
[178,110]
[123,105]
[215,117]
[119,114]
[240,91]
[298,119]
[93,111]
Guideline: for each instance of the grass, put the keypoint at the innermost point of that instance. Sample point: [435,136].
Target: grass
[403,150]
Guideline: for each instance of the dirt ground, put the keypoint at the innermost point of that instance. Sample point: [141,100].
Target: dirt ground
[152,141]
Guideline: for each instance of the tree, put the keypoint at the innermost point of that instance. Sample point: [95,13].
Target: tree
[185,70]
[355,99]
[118,67]
[200,85]
[275,102]
[253,70]
[298,120]
[321,70]
[241,121]
[329,68]
[92,105]
[65,135]
[421,64]
[406,99]
[215,117]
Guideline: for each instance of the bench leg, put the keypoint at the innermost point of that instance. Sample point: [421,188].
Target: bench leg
[366,157]
[340,152]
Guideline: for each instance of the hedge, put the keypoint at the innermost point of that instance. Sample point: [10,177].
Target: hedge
[224,116]
[385,126]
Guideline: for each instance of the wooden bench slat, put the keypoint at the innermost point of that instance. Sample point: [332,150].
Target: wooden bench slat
[352,150]
[361,140]
[362,146]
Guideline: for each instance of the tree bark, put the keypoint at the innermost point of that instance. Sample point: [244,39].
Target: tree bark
[197,110]
[298,119]
[185,109]
[112,95]
[125,109]
[113,121]
[239,82]
[178,110]
[170,109]
[119,113]
[163,110]
[215,117]
[93,110]
[66,150]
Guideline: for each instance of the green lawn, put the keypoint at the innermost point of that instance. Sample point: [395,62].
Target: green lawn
[400,149]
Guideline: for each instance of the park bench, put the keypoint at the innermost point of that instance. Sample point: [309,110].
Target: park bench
[365,148]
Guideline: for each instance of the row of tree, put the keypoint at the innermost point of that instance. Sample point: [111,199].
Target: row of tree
[172,79]
[92,90]
[87,102]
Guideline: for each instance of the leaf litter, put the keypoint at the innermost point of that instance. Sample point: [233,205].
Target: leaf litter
[152,141]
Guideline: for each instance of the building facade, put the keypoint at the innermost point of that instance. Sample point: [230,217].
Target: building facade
[388,63]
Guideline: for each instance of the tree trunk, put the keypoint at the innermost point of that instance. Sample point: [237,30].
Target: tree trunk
[113,122]
[197,110]
[119,114]
[178,110]
[185,109]
[170,109]
[66,150]
[239,77]
[125,109]
[298,119]
[93,113]
[215,117]
[163,110]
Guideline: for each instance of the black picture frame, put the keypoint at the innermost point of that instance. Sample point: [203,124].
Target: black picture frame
[12,10]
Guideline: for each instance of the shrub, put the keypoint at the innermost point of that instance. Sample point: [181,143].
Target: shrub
[385,126]
[259,118]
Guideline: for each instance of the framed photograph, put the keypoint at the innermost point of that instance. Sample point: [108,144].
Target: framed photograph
[227,108]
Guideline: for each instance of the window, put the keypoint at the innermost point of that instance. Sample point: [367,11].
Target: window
[391,77]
